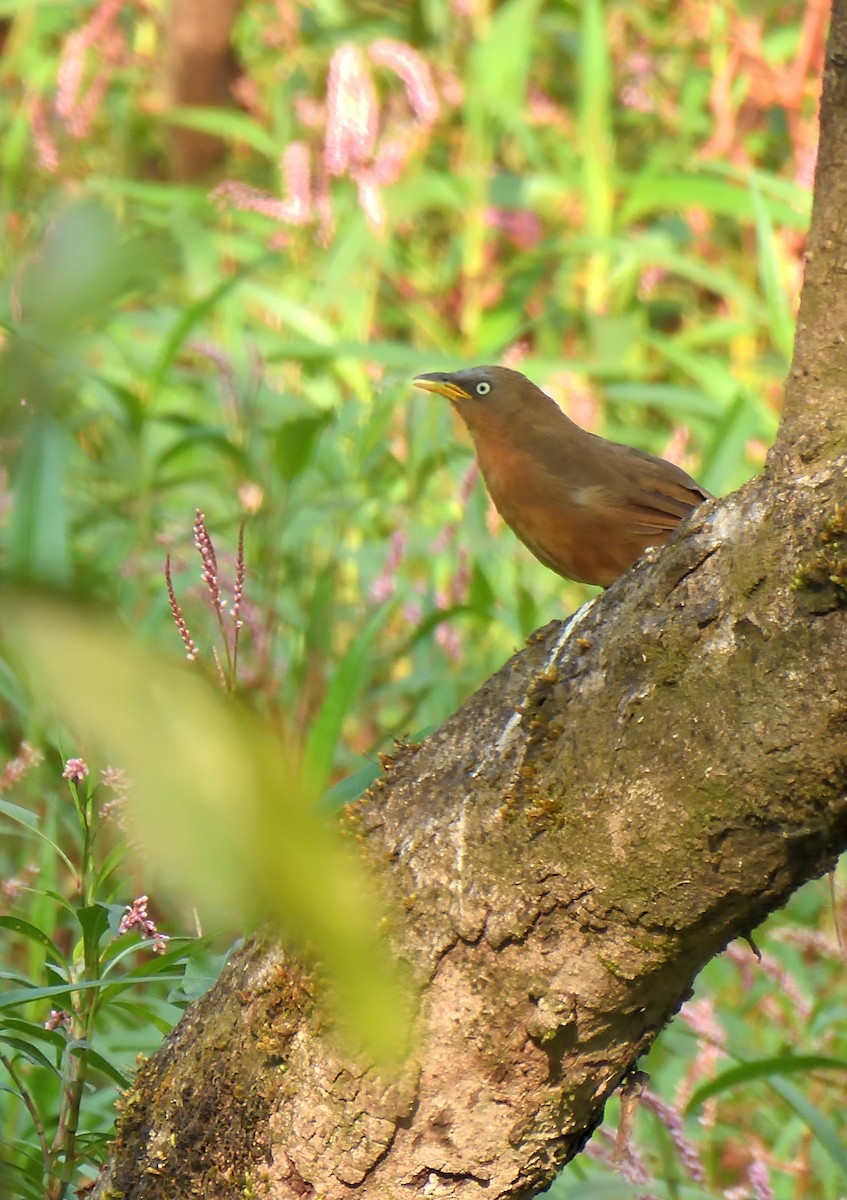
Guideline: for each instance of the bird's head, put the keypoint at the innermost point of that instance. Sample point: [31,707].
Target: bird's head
[476,390]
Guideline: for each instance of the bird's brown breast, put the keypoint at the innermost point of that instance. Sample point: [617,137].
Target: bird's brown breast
[586,508]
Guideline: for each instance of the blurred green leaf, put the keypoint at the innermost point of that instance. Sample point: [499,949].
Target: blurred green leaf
[94,922]
[342,693]
[763,1068]
[223,809]
[226,124]
[501,62]
[25,929]
[27,1050]
[828,1135]
[595,117]
[99,1063]
[37,539]
[770,273]
[194,314]
[294,443]
[83,265]
[650,193]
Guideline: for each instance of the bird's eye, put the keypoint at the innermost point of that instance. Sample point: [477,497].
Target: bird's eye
[482,388]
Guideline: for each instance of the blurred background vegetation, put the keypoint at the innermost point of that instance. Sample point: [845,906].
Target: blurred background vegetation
[229,241]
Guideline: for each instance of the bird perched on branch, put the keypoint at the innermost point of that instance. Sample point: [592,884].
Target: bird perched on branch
[586,507]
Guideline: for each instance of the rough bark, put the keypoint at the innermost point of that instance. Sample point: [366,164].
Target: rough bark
[200,67]
[635,789]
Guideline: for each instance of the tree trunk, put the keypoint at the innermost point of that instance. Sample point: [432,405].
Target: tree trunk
[200,67]
[639,786]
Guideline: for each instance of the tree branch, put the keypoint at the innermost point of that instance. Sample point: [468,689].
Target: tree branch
[639,786]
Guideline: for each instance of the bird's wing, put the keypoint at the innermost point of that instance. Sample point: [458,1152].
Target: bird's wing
[649,493]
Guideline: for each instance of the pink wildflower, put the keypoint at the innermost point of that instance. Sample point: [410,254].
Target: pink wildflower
[351,112]
[414,72]
[17,767]
[75,769]
[137,918]
[59,1019]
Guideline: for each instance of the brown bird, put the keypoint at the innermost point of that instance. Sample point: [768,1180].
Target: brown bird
[586,507]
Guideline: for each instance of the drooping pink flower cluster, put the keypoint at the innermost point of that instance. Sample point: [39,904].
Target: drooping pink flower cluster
[137,918]
[12,888]
[18,766]
[101,39]
[191,651]
[671,1118]
[59,1018]
[360,140]
[115,779]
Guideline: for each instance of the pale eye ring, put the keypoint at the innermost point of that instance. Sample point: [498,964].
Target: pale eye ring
[482,388]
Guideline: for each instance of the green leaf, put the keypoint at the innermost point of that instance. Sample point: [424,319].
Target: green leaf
[225,812]
[37,539]
[195,314]
[830,1138]
[347,682]
[678,192]
[202,969]
[350,787]
[294,443]
[763,1068]
[33,1030]
[33,933]
[22,816]
[83,1049]
[770,274]
[226,124]
[94,922]
[29,1051]
[20,996]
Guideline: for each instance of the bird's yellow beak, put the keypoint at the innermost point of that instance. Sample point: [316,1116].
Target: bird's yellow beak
[439,382]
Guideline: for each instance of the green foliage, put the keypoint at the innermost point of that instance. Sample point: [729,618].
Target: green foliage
[74,1010]
[612,197]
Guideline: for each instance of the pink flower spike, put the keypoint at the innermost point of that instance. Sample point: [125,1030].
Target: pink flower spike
[191,651]
[351,112]
[102,35]
[672,1120]
[757,1174]
[203,542]
[115,778]
[296,173]
[414,71]
[385,585]
[45,146]
[250,199]
[17,767]
[371,200]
